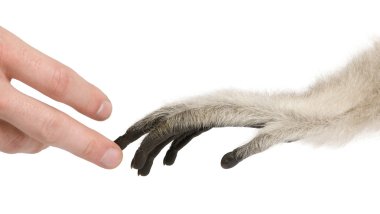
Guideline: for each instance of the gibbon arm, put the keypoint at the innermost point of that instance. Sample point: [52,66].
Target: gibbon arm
[333,109]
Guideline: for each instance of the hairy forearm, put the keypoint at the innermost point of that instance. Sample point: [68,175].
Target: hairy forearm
[335,108]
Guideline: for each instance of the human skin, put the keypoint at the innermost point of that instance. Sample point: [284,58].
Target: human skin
[29,126]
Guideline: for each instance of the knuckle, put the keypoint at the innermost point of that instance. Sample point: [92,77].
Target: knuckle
[88,150]
[50,129]
[60,81]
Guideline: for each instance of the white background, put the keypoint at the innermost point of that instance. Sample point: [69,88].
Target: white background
[143,54]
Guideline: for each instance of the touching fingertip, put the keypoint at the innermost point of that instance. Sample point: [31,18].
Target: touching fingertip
[111,158]
[104,110]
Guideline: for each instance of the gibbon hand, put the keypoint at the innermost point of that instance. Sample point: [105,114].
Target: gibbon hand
[334,109]
[29,126]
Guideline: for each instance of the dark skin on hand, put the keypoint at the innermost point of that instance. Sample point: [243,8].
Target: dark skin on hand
[152,145]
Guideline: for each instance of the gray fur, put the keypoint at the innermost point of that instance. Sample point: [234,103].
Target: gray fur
[334,109]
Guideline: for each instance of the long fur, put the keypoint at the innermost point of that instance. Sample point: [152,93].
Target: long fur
[334,109]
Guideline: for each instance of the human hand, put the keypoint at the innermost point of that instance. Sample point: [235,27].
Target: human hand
[29,126]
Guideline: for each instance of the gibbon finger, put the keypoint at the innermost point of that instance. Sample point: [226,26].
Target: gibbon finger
[258,144]
[144,171]
[179,143]
[128,138]
[146,125]
[151,141]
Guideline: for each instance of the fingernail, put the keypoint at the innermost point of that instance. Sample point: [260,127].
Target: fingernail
[104,110]
[110,159]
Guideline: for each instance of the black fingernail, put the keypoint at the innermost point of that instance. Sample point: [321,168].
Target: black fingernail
[139,159]
[229,160]
[169,158]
